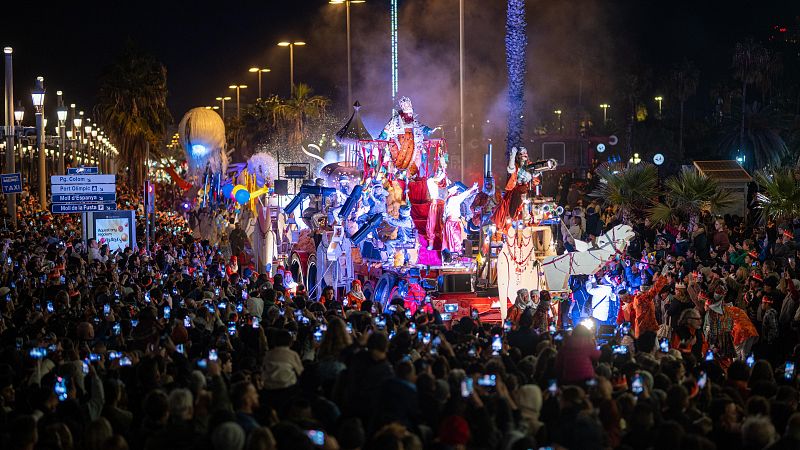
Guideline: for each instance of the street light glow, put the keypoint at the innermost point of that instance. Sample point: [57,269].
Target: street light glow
[659,98]
[283,44]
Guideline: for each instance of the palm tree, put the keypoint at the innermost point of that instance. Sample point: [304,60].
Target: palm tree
[763,126]
[772,70]
[683,80]
[749,59]
[629,188]
[780,192]
[637,83]
[686,196]
[132,107]
[298,109]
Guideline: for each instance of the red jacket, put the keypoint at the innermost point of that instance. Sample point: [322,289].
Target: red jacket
[574,361]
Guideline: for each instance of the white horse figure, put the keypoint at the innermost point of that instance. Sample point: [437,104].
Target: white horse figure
[588,259]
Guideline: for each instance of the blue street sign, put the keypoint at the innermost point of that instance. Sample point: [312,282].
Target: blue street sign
[67,208]
[83,188]
[12,183]
[82,171]
[83,179]
[84,198]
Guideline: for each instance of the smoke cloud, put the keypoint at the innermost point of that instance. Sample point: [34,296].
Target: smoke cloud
[571,61]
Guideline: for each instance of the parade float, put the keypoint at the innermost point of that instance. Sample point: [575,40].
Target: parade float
[386,214]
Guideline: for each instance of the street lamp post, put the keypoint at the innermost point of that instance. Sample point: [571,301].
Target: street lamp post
[19,114]
[87,133]
[62,137]
[558,113]
[77,122]
[349,66]
[635,159]
[259,71]
[659,99]
[37,95]
[10,117]
[238,87]
[223,99]
[291,61]
[605,107]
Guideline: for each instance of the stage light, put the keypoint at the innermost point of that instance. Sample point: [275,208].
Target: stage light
[588,323]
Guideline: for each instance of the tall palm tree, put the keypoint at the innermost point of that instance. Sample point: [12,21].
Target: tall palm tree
[749,59]
[772,71]
[629,188]
[683,81]
[132,107]
[686,196]
[762,130]
[298,109]
[780,192]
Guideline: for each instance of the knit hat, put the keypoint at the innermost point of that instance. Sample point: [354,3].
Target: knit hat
[454,430]
[228,436]
[529,400]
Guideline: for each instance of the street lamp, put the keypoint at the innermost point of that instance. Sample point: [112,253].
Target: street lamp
[238,87]
[349,67]
[19,114]
[659,99]
[259,71]
[61,113]
[605,107]
[87,133]
[37,96]
[222,99]
[635,159]
[291,61]
[558,113]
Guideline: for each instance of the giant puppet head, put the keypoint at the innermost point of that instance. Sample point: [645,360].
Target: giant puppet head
[202,134]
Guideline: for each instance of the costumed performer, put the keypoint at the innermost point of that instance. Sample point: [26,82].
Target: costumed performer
[437,191]
[405,234]
[521,304]
[728,329]
[410,147]
[517,186]
[355,297]
[453,235]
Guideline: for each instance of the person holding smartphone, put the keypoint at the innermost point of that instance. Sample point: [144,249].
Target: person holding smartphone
[574,362]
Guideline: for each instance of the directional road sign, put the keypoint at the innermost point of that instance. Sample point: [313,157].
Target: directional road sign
[82,171]
[83,188]
[83,198]
[12,183]
[67,208]
[82,179]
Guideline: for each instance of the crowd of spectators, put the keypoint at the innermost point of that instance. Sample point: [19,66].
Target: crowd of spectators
[182,347]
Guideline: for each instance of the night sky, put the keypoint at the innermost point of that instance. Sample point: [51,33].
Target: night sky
[207,46]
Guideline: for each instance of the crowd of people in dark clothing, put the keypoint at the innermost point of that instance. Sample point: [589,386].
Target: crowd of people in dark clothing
[180,347]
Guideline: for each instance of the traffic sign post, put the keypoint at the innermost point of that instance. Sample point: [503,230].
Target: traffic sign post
[83,179]
[83,190]
[83,171]
[12,183]
[68,208]
[84,198]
